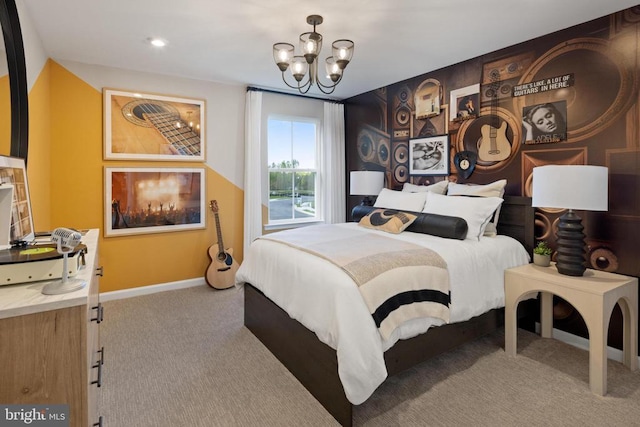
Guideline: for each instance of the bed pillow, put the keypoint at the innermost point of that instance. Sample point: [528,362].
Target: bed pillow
[438,187]
[494,189]
[476,211]
[449,227]
[388,220]
[400,200]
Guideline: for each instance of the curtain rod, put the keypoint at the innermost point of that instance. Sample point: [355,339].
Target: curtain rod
[259,89]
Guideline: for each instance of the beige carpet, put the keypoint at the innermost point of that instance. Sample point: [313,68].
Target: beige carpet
[184,358]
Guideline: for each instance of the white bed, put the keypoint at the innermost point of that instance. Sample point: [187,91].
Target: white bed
[323,298]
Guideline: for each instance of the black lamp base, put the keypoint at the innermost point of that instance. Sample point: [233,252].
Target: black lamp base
[570,259]
[367,201]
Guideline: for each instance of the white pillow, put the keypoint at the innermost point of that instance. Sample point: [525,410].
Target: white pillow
[477,211]
[438,187]
[400,200]
[494,189]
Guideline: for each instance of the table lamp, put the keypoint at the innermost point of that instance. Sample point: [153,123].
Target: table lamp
[579,187]
[366,183]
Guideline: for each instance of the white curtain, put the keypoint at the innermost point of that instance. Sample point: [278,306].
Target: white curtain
[252,169]
[333,163]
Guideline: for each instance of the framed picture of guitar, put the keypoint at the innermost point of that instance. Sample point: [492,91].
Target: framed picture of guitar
[429,156]
[146,126]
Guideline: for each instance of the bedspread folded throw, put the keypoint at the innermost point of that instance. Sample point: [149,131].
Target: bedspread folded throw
[398,280]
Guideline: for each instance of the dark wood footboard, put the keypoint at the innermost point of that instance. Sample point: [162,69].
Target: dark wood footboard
[311,361]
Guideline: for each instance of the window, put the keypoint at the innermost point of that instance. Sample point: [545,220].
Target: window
[293,174]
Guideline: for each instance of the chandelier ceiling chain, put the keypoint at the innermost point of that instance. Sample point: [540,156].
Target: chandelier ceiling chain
[306,65]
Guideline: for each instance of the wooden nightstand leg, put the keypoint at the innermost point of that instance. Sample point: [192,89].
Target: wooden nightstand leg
[510,325]
[546,315]
[630,335]
[595,321]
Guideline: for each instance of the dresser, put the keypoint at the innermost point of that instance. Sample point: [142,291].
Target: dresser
[50,350]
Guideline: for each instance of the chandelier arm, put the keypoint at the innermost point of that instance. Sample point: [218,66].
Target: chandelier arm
[329,86]
[322,88]
[332,87]
[301,88]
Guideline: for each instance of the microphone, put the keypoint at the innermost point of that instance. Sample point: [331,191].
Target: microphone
[66,241]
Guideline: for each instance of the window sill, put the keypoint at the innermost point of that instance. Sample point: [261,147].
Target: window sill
[272,227]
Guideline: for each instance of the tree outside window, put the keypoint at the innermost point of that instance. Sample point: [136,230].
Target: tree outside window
[292,152]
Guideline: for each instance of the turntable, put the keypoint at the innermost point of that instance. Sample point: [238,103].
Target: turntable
[34,263]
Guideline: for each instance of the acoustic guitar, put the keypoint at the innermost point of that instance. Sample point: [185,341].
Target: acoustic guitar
[221,273]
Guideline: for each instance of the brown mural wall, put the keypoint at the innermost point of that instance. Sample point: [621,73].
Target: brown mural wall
[589,73]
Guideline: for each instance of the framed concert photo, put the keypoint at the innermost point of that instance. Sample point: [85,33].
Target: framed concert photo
[143,126]
[429,156]
[153,200]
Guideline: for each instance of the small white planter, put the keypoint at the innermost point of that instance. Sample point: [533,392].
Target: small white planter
[542,260]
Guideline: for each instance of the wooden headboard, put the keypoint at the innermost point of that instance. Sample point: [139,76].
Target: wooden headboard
[517,220]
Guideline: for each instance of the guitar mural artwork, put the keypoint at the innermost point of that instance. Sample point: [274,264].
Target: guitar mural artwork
[221,272]
[494,145]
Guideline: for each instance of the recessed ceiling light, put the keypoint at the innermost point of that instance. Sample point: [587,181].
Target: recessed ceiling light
[157,42]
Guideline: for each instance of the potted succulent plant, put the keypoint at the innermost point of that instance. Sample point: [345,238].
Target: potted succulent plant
[542,254]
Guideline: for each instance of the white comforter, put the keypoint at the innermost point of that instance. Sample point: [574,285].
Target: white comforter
[324,298]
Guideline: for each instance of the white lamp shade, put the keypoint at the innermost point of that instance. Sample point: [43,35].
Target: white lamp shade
[366,183]
[579,187]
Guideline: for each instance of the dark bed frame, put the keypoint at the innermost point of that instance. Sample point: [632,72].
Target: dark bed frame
[315,364]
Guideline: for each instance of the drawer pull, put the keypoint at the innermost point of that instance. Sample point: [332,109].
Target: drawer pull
[99,313]
[99,423]
[100,271]
[99,365]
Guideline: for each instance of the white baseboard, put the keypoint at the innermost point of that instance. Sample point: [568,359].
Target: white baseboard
[152,289]
[583,343]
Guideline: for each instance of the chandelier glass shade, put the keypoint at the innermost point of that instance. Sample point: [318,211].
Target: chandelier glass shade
[304,67]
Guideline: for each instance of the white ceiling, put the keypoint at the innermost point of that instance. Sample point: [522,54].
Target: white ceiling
[231,41]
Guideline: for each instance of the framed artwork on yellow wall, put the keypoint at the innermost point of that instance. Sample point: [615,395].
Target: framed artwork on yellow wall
[143,126]
[153,200]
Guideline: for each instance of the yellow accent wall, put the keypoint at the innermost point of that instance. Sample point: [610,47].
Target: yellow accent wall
[39,154]
[66,176]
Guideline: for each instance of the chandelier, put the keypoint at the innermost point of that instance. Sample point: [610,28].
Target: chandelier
[306,65]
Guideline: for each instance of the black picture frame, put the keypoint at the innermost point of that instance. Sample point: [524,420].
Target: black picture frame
[430,156]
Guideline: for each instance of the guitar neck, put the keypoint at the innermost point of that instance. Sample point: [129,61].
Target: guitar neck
[181,138]
[494,113]
[220,244]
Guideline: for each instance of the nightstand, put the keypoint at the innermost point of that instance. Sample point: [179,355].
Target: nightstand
[594,295]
